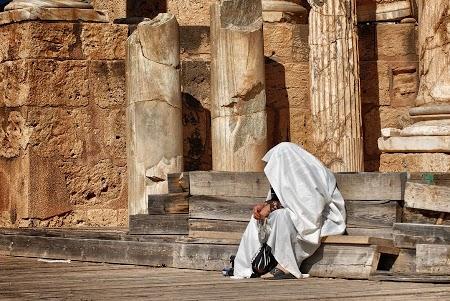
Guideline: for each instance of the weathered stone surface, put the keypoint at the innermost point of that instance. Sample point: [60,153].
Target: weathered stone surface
[154,125]
[335,88]
[436,162]
[44,82]
[434,48]
[52,14]
[382,10]
[238,99]
[62,41]
[103,41]
[116,8]
[394,117]
[185,10]
[107,83]
[195,76]
[195,42]
[18,4]
[415,144]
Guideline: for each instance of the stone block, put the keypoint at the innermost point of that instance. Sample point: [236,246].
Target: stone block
[394,117]
[96,184]
[415,144]
[278,40]
[62,41]
[36,39]
[107,83]
[195,81]
[300,127]
[58,132]
[103,41]
[300,46]
[415,162]
[44,82]
[389,83]
[387,42]
[116,8]
[52,14]
[194,41]
[185,10]
[287,84]
[106,137]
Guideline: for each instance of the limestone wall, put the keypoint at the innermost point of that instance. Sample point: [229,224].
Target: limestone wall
[62,117]
[62,124]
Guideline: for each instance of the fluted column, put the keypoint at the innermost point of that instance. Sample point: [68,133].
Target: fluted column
[335,89]
[238,99]
[154,124]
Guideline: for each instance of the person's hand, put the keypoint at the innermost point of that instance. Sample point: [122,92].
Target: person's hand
[265,211]
[256,210]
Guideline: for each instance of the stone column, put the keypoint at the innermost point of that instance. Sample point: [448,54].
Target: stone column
[430,132]
[434,35]
[155,131]
[238,98]
[335,90]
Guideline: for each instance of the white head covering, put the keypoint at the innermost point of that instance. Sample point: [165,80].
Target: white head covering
[307,189]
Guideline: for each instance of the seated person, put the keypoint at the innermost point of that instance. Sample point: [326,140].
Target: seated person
[303,205]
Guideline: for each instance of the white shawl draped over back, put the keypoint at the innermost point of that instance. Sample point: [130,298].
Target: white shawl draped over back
[313,208]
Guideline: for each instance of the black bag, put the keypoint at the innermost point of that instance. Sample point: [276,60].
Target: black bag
[264,261]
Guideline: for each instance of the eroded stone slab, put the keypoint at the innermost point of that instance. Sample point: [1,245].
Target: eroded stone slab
[417,144]
[53,14]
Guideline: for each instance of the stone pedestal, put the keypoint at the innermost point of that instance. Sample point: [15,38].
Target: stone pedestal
[62,123]
[431,131]
[238,99]
[335,89]
[154,127]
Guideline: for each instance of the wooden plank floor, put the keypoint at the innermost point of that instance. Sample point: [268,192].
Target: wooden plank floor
[30,279]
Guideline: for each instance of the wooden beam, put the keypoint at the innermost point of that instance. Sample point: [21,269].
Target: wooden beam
[429,197]
[354,186]
[367,186]
[361,214]
[171,203]
[112,251]
[216,229]
[357,240]
[159,224]
[372,232]
[408,235]
[178,182]
[433,259]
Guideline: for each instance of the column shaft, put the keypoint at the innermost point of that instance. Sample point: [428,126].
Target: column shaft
[335,89]
[238,99]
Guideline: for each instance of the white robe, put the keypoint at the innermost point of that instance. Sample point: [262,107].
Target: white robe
[313,208]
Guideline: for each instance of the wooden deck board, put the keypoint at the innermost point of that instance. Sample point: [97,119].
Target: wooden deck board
[80,281]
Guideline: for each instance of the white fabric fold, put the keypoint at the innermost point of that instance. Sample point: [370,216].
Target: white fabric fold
[313,208]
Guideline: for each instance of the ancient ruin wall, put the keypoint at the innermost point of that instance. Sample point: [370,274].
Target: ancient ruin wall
[62,124]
